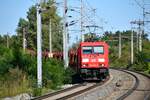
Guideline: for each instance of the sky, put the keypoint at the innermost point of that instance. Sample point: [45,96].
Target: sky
[10,12]
[111,14]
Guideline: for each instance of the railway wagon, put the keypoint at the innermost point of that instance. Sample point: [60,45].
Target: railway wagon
[92,60]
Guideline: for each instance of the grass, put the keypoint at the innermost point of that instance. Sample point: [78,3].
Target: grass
[13,83]
[12,88]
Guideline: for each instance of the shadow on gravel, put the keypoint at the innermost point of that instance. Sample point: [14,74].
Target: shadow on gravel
[76,79]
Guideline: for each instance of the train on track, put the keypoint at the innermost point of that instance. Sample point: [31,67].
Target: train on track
[92,60]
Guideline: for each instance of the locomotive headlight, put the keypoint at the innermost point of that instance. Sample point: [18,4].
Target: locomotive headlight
[85,60]
[85,65]
[102,65]
[101,60]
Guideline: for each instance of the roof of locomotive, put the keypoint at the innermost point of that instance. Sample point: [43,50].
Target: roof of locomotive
[92,43]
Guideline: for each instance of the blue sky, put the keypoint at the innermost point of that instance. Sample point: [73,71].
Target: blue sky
[117,13]
[113,14]
[10,12]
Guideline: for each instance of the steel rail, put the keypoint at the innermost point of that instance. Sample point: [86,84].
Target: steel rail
[147,97]
[133,88]
[84,90]
[69,89]
[129,92]
[55,93]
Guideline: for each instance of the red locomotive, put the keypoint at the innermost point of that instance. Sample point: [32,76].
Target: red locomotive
[92,60]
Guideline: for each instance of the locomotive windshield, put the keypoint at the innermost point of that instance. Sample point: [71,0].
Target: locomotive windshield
[98,49]
[87,50]
[94,49]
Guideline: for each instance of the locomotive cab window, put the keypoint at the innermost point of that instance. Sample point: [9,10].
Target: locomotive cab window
[98,49]
[87,50]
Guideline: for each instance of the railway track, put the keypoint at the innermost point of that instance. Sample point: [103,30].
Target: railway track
[70,92]
[138,89]
[141,90]
[83,91]
[55,93]
[130,91]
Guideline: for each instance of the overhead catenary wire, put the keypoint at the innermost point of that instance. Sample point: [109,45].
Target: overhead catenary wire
[139,4]
[87,17]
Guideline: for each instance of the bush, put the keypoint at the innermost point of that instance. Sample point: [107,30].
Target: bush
[37,91]
[140,64]
[53,70]
[69,72]
[14,82]
[6,57]
[20,70]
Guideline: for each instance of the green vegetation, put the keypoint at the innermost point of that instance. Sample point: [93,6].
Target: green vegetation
[140,58]
[30,28]
[18,69]
[18,72]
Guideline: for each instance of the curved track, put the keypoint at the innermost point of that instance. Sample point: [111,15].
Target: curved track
[70,92]
[55,93]
[83,91]
[142,89]
[139,89]
[130,91]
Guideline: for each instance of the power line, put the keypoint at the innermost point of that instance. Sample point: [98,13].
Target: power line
[139,4]
[89,4]
[91,9]
[139,23]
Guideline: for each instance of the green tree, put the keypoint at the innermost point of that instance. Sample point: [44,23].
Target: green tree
[22,25]
[31,27]
[91,37]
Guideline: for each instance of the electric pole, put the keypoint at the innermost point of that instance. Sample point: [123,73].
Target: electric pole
[7,40]
[24,39]
[132,46]
[140,39]
[50,37]
[120,45]
[139,34]
[65,36]
[137,41]
[39,47]
[82,36]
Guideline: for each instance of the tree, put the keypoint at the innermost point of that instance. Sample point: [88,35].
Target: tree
[31,29]
[91,37]
[22,25]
